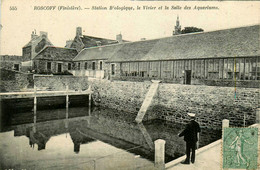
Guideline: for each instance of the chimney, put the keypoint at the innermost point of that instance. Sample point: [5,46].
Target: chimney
[43,34]
[68,43]
[33,35]
[79,31]
[119,38]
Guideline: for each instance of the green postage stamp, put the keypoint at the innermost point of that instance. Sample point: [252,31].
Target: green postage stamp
[240,147]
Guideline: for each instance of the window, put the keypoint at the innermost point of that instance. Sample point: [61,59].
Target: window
[16,67]
[59,67]
[211,65]
[93,65]
[221,68]
[78,66]
[100,65]
[48,65]
[230,68]
[113,69]
[86,65]
[69,66]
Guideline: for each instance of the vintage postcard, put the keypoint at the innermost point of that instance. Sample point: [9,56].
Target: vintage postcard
[109,85]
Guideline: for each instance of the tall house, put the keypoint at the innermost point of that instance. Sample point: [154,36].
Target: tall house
[85,41]
[177,28]
[35,45]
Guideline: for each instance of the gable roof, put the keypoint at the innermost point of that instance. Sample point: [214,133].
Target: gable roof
[97,53]
[90,41]
[243,41]
[37,38]
[57,53]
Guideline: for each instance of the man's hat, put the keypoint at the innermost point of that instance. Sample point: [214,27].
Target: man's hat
[192,114]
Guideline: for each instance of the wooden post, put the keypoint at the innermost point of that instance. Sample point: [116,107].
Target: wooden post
[67,116]
[34,123]
[34,110]
[35,100]
[67,97]
[89,100]
[89,103]
[159,154]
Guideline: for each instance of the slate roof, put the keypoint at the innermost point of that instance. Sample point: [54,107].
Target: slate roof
[242,41]
[37,37]
[90,41]
[56,53]
[97,53]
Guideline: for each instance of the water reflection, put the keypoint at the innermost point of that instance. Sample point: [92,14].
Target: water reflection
[114,128]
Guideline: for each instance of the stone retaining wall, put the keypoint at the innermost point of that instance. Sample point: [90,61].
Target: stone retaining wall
[211,104]
[59,82]
[173,101]
[14,81]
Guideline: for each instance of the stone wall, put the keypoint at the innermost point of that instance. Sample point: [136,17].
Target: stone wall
[59,82]
[173,101]
[41,66]
[195,81]
[211,104]
[120,95]
[14,81]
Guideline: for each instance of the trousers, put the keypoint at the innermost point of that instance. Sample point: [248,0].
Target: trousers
[190,147]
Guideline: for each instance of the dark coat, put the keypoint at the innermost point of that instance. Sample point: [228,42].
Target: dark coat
[191,131]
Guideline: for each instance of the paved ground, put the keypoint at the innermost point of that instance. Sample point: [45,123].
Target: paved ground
[208,160]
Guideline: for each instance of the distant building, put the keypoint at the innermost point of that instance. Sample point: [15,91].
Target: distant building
[36,44]
[11,62]
[91,62]
[54,60]
[84,41]
[177,28]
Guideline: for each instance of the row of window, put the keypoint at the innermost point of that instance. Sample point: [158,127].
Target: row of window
[59,66]
[77,66]
[90,65]
[238,68]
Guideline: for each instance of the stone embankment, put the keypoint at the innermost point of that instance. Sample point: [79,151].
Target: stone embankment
[173,101]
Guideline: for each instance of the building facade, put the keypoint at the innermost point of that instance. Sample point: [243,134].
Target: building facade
[54,60]
[36,44]
[224,58]
[92,62]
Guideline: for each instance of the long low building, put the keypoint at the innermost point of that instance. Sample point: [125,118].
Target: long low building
[225,57]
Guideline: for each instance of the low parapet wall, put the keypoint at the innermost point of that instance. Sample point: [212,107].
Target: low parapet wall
[59,82]
[173,101]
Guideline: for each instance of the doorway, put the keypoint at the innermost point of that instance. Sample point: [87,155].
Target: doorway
[187,77]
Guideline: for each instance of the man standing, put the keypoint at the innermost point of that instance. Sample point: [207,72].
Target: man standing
[191,137]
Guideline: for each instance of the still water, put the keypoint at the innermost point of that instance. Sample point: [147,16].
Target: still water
[81,139]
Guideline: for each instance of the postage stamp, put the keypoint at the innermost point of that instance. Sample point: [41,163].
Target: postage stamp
[240,146]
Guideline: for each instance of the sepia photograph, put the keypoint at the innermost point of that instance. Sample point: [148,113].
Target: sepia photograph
[129,85]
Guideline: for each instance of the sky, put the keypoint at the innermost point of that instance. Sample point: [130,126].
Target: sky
[17,25]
